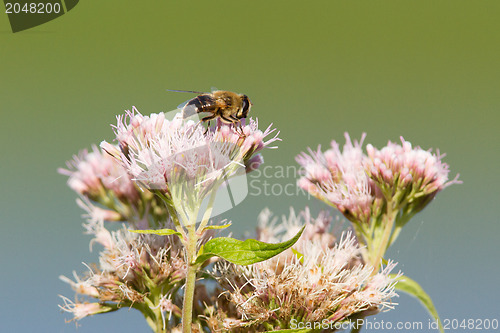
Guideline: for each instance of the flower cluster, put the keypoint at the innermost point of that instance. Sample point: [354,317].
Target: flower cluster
[98,177]
[153,148]
[134,271]
[360,185]
[339,179]
[378,192]
[320,279]
[412,176]
[169,157]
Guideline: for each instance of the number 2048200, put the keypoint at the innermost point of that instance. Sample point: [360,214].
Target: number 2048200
[32,8]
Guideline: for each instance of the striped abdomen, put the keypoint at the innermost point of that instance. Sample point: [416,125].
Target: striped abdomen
[201,103]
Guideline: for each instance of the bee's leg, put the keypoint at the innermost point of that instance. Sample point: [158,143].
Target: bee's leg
[226,120]
[234,120]
[229,120]
[238,128]
[207,119]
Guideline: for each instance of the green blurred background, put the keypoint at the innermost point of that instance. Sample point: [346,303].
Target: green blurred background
[427,70]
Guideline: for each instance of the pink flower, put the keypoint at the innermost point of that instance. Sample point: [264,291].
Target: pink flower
[339,179]
[182,160]
[154,149]
[360,185]
[82,310]
[95,174]
[419,173]
[323,283]
[129,270]
[100,177]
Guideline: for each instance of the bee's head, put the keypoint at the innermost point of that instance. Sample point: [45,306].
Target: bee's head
[245,107]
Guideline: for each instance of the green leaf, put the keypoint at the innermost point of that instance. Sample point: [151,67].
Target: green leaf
[245,252]
[299,255]
[161,232]
[208,227]
[412,288]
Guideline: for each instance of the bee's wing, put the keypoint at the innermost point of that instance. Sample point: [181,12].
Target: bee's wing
[182,105]
[212,89]
[191,109]
[187,110]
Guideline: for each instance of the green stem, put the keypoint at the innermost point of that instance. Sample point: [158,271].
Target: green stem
[208,212]
[364,239]
[160,327]
[152,323]
[187,308]
[400,223]
[173,215]
[383,243]
[150,311]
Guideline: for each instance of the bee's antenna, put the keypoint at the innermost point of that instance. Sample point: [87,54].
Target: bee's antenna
[187,91]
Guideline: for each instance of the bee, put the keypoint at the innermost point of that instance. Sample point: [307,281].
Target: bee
[228,106]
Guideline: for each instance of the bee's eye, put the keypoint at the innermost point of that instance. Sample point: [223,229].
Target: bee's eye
[245,107]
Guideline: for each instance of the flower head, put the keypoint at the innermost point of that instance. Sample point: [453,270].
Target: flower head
[180,159]
[360,185]
[339,179]
[417,173]
[128,264]
[100,178]
[315,282]
[378,192]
